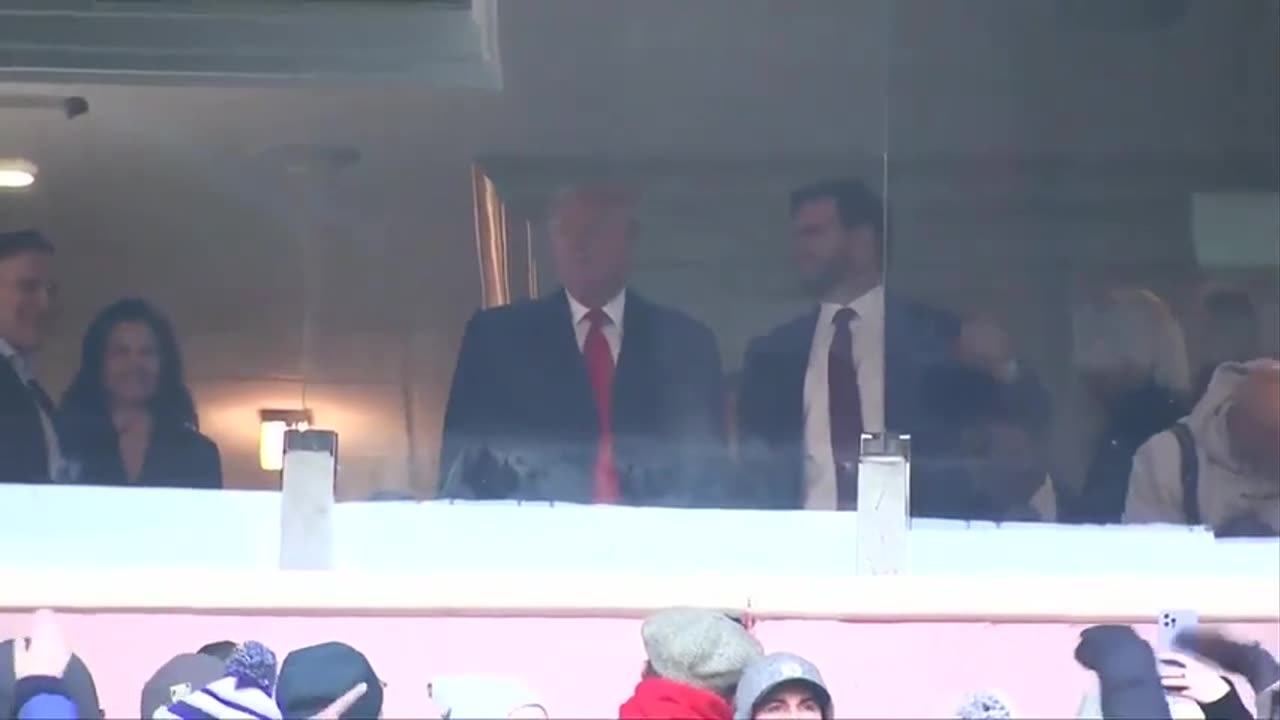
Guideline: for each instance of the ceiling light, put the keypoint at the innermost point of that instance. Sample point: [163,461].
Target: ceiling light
[17,174]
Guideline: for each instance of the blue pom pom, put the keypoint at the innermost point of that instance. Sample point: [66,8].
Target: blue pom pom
[253,663]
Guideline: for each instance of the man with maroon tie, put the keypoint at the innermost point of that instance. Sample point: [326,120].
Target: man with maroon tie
[867,361]
[593,393]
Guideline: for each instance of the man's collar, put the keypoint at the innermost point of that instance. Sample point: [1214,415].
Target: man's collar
[614,308]
[20,362]
[868,305]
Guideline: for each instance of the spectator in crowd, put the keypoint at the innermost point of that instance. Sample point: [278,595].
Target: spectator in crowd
[178,678]
[1229,332]
[245,690]
[1132,358]
[857,362]
[45,681]
[29,447]
[594,393]
[1005,461]
[782,685]
[1220,466]
[485,697]
[128,417]
[695,660]
[317,677]
[220,649]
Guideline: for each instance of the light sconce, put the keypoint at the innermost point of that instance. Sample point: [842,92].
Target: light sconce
[275,423]
[17,174]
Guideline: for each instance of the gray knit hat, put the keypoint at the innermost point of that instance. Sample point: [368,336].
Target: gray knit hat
[764,675]
[701,648]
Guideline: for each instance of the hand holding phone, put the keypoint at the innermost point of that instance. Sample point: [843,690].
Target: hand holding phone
[1184,676]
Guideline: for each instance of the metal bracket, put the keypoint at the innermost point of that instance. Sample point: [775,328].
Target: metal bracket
[884,504]
[307,486]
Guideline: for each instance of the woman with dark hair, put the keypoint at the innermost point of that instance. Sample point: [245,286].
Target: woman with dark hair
[128,418]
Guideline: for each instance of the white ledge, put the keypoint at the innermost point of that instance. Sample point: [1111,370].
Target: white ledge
[928,599]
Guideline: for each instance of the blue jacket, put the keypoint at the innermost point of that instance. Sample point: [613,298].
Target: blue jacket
[42,698]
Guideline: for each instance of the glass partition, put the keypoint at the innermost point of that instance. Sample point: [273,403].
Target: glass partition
[1021,233]
[378,242]
[1084,201]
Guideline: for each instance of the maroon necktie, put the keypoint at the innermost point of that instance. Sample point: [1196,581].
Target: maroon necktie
[599,359]
[845,404]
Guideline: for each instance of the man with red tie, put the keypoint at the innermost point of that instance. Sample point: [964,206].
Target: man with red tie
[29,451]
[865,360]
[593,393]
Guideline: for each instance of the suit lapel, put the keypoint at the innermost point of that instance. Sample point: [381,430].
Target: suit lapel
[633,381]
[795,343]
[788,363]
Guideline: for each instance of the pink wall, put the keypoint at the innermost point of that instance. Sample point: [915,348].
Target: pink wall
[585,667]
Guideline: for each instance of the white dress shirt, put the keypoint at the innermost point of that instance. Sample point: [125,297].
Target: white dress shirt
[612,330]
[23,367]
[868,358]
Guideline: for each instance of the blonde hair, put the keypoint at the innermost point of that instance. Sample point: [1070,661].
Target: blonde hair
[1132,329]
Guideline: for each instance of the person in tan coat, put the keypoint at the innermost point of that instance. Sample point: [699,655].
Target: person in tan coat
[1220,465]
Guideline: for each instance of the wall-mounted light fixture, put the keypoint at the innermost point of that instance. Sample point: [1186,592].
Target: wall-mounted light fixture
[275,423]
[17,174]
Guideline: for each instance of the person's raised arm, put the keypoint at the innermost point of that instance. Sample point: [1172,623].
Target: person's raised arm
[1249,660]
[1184,676]
[1128,682]
[38,665]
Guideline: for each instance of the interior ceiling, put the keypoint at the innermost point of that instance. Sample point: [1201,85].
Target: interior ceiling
[620,79]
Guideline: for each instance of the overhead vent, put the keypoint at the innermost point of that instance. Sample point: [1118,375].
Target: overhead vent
[432,42]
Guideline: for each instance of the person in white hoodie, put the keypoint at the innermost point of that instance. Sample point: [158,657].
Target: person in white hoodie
[1220,465]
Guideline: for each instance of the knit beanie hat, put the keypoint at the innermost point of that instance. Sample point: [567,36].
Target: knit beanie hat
[769,672]
[701,648]
[244,692]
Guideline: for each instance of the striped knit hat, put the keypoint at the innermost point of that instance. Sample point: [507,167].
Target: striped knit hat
[244,694]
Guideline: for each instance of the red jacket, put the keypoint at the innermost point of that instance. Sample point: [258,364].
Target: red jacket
[662,699]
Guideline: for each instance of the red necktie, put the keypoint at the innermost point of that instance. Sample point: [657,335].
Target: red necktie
[845,405]
[599,359]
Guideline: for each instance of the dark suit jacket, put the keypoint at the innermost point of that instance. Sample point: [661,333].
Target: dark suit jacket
[918,358]
[521,391]
[178,456]
[24,457]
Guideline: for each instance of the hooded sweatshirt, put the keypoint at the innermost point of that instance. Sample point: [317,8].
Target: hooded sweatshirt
[1228,491]
[657,698]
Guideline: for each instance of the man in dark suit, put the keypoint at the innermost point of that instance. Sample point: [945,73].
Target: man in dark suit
[592,394]
[864,361]
[29,450]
